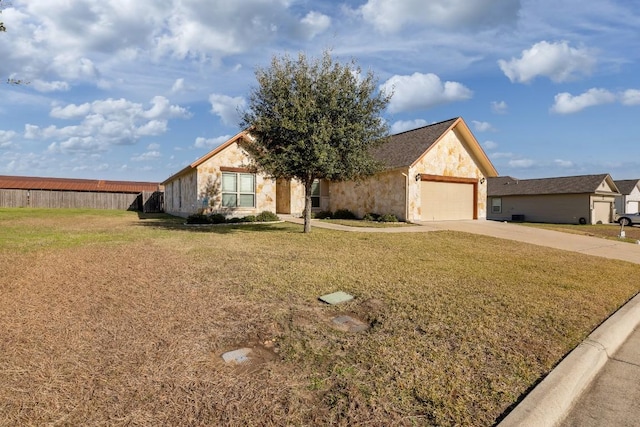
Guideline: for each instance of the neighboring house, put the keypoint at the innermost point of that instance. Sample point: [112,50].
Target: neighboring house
[35,192]
[629,199]
[586,199]
[436,172]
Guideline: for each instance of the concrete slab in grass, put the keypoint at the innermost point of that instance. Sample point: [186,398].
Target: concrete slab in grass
[350,324]
[237,356]
[336,298]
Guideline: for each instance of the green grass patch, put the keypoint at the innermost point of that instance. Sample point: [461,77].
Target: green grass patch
[131,333]
[27,229]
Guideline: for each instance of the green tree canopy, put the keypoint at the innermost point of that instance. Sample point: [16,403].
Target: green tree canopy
[314,119]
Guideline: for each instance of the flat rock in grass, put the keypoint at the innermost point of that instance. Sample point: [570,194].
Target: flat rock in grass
[348,323]
[237,356]
[336,298]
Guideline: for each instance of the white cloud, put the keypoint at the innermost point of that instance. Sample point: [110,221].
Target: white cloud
[563,163]
[178,86]
[87,40]
[499,107]
[482,126]
[149,155]
[557,61]
[630,97]
[565,103]
[152,128]
[502,155]
[404,125]
[314,23]
[521,163]
[162,109]
[490,145]
[55,86]
[7,135]
[210,142]
[211,29]
[227,108]
[153,146]
[71,67]
[420,91]
[106,122]
[391,16]
[70,111]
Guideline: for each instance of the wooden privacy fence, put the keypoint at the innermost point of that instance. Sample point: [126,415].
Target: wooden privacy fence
[147,201]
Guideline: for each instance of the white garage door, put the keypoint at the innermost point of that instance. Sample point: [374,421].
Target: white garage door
[601,212]
[446,200]
[632,207]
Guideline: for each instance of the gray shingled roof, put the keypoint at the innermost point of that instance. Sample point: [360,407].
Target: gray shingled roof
[403,149]
[626,186]
[509,186]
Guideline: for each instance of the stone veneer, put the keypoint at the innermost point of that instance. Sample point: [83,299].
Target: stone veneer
[209,194]
[386,193]
[449,157]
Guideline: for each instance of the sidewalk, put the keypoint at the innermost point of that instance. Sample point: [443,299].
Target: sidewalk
[598,383]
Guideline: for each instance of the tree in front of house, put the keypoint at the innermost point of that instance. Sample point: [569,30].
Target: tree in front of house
[312,119]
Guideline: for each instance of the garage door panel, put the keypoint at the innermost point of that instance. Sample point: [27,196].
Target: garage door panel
[601,212]
[446,201]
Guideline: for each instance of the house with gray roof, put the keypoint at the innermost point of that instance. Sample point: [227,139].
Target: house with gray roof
[436,172]
[584,199]
[629,199]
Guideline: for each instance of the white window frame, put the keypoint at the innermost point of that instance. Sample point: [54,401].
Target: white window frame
[240,191]
[496,205]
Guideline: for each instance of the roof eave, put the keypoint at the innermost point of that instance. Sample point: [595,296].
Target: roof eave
[206,157]
[485,165]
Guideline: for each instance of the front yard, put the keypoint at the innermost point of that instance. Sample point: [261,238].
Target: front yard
[111,319]
[606,231]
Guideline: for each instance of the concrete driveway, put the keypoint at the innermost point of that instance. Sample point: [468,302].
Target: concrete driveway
[507,230]
[570,242]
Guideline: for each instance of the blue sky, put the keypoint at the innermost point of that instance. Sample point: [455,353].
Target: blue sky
[136,90]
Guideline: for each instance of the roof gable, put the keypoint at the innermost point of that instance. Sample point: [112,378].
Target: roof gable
[509,186]
[627,186]
[407,148]
[403,149]
[206,157]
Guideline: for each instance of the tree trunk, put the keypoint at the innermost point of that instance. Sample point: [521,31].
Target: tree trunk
[307,204]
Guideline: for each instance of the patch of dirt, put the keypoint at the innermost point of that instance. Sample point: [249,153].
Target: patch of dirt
[260,354]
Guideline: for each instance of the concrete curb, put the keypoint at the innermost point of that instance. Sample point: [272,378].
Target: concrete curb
[551,400]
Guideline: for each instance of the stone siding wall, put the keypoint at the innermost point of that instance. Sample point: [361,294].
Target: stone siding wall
[209,194]
[450,158]
[385,193]
[180,195]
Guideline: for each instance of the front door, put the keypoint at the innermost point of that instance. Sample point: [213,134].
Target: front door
[283,196]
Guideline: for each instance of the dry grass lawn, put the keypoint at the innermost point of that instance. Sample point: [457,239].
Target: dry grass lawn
[108,319]
[606,231]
